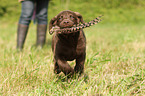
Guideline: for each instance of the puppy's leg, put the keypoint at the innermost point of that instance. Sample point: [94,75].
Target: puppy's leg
[65,67]
[79,68]
[57,70]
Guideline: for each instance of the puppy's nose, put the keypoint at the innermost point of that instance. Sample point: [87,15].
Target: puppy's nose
[66,22]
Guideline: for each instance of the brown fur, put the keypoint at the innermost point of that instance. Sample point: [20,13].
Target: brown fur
[68,47]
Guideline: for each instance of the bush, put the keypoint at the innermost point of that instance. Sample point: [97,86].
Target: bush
[8,7]
[88,8]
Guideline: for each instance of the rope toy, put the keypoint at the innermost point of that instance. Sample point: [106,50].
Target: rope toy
[75,28]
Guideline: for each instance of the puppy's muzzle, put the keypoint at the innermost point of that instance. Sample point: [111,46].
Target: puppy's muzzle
[66,23]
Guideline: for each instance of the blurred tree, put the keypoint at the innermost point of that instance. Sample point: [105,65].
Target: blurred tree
[11,8]
[8,7]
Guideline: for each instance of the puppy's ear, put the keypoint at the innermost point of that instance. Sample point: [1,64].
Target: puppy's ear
[52,22]
[79,18]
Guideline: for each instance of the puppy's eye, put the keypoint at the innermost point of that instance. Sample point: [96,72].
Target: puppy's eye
[60,18]
[71,17]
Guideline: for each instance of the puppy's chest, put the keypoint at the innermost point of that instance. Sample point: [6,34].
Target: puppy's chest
[69,44]
[69,47]
[68,52]
[69,40]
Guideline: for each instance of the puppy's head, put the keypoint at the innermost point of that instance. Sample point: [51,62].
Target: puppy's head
[66,19]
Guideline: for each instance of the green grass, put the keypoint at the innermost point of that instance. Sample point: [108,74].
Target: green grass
[115,61]
[115,64]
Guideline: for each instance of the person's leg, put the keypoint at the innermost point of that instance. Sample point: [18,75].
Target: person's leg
[24,21]
[41,15]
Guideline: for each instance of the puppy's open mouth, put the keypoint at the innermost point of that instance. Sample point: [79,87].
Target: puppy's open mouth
[66,26]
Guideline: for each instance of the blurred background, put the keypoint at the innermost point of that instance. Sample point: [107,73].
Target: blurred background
[114,11]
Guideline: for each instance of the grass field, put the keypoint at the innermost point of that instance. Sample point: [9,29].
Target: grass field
[115,64]
[115,61]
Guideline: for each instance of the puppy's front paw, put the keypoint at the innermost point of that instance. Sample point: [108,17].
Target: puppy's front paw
[57,70]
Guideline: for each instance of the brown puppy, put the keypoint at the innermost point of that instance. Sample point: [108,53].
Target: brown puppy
[68,47]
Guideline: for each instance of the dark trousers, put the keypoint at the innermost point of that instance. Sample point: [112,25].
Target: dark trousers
[28,9]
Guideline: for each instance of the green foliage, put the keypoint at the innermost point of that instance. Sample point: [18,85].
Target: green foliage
[114,11]
[112,3]
[9,7]
[125,10]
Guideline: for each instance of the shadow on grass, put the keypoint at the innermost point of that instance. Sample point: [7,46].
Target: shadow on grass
[83,77]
